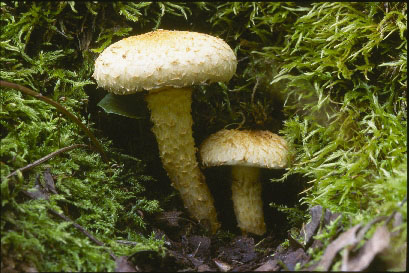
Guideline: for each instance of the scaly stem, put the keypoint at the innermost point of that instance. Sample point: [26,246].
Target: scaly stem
[246,195]
[172,126]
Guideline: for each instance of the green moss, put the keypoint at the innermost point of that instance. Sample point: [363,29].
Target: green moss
[42,52]
[30,234]
[341,69]
[352,132]
[330,77]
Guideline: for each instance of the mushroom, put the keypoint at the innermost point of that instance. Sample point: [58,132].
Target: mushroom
[166,64]
[246,151]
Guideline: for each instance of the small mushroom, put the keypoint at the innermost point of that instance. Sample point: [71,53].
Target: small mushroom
[246,151]
[166,63]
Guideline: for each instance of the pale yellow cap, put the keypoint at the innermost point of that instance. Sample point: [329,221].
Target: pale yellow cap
[164,58]
[246,148]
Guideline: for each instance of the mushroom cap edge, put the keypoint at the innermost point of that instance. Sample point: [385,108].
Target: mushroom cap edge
[262,149]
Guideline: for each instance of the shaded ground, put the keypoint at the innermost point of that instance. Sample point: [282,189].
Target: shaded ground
[189,248]
[224,252]
[187,251]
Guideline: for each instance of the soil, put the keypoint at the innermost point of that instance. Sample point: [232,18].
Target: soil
[188,249]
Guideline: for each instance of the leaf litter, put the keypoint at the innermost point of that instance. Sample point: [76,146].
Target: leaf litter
[201,253]
[190,252]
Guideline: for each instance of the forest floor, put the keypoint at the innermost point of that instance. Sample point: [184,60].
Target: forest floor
[188,251]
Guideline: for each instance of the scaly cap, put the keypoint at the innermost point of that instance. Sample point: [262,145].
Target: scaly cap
[164,58]
[246,148]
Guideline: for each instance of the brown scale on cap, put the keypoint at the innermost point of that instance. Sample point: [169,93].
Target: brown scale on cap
[164,58]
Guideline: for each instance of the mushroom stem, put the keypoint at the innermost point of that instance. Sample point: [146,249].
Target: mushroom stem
[172,126]
[246,195]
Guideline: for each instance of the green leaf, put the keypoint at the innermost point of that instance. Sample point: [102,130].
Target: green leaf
[130,106]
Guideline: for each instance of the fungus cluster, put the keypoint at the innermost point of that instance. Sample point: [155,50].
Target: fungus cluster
[166,64]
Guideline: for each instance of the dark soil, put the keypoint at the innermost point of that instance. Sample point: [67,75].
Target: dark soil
[188,249]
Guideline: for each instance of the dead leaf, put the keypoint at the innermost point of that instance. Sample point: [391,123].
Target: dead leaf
[298,256]
[38,191]
[171,218]
[289,257]
[362,231]
[49,181]
[124,265]
[180,258]
[270,265]
[317,219]
[377,243]
[330,216]
[312,227]
[222,266]
[343,240]
[43,192]
[203,268]
[241,250]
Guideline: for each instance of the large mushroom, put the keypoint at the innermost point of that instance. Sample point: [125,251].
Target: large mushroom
[246,151]
[166,64]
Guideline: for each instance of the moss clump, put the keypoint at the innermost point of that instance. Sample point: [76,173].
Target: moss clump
[105,199]
[329,76]
[341,69]
[45,50]
[348,122]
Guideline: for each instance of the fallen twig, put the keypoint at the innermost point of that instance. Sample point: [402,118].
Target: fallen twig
[61,109]
[45,158]
[84,231]
[125,242]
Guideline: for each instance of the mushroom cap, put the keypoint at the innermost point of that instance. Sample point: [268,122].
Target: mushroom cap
[244,148]
[164,58]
